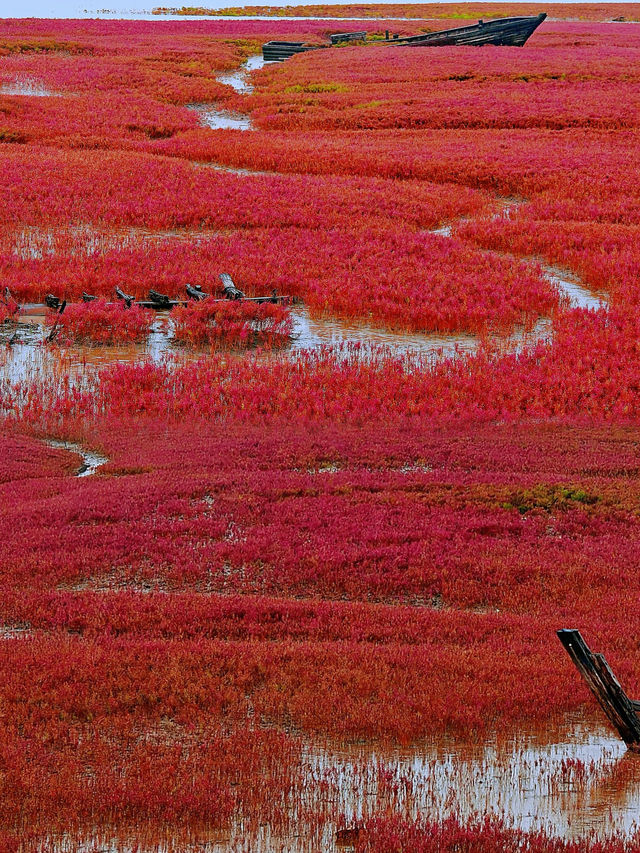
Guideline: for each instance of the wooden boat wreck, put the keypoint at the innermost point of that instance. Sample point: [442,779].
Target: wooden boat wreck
[512,32]
[161,302]
[622,712]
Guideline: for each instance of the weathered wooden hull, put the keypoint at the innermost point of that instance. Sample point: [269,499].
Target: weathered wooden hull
[512,32]
[502,31]
[278,51]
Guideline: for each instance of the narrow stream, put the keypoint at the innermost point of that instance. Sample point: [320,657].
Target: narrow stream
[91,460]
[220,119]
[568,284]
[28,357]
[240,79]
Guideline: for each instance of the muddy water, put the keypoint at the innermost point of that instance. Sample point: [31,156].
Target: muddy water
[580,783]
[572,288]
[29,358]
[219,119]
[26,86]
[91,460]
[584,782]
[312,332]
[240,79]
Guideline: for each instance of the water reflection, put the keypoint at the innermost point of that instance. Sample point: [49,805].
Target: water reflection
[574,783]
[312,332]
[28,357]
[587,782]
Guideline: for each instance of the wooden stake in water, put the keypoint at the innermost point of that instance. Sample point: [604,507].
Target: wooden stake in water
[620,710]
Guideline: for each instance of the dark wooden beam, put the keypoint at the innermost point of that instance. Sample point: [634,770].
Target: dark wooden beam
[620,710]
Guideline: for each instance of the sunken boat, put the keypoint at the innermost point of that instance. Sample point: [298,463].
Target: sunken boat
[512,32]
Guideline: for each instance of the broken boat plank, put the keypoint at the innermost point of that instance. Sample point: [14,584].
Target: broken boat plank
[144,303]
[195,292]
[620,710]
[125,297]
[229,288]
[336,38]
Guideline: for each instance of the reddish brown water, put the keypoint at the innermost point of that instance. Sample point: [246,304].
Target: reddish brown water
[573,782]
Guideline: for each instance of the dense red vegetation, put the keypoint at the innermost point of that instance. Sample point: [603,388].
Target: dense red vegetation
[588,370]
[138,633]
[284,553]
[100,322]
[481,836]
[235,323]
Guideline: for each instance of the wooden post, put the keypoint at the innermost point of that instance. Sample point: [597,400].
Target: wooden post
[620,710]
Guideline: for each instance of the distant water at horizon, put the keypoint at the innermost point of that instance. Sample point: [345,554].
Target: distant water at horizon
[142,9]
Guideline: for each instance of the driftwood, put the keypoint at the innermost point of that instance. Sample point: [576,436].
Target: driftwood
[336,38]
[128,300]
[620,710]
[9,301]
[54,328]
[348,837]
[195,292]
[229,288]
[159,300]
[52,302]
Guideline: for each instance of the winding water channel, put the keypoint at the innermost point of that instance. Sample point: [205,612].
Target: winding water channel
[28,357]
[220,119]
[91,460]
